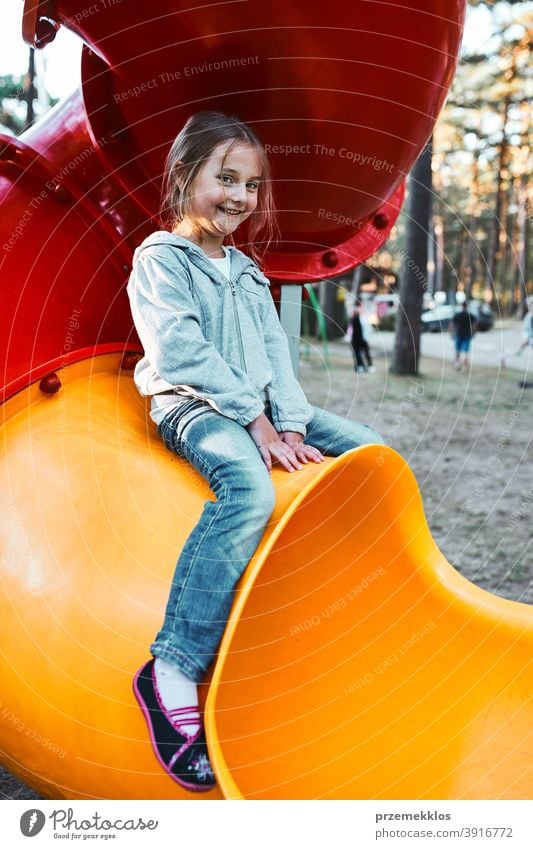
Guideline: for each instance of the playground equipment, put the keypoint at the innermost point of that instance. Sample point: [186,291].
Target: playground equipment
[360,665]
[344,98]
[347,612]
[357,663]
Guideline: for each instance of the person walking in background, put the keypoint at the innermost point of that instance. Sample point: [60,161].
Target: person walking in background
[463,327]
[527,327]
[359,340]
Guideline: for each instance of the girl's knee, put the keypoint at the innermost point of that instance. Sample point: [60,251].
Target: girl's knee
[357,435]
[254,492]
[263,498]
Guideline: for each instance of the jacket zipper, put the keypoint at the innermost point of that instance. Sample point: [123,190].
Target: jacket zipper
[237,325]
[236,319]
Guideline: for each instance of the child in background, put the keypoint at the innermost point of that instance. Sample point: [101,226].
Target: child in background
[527,328]
[224,397]
[463,327]
[359,340]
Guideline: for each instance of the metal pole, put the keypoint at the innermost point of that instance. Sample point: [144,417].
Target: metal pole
[290,315]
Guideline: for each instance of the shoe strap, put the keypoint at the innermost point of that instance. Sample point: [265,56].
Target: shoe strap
[182,717]
[188,710]
[178,717]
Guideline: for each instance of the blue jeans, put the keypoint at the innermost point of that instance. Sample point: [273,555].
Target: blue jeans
[228,532]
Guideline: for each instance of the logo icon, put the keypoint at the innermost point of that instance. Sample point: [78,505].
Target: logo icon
[32,822]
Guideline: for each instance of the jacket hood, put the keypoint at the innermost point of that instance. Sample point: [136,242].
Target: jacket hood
[239,260]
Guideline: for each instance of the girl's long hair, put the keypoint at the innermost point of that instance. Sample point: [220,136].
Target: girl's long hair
[193,145]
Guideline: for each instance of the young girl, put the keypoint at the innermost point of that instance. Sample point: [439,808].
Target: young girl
[359,340]
[223,396]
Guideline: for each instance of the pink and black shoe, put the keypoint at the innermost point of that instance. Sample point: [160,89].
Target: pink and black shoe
[184,757]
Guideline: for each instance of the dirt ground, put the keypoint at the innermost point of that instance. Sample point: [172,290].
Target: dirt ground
[467,438]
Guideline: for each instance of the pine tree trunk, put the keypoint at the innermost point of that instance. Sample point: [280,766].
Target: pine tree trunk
[494,247]
[413,280]
[332,308]
[357,279]
[522,249]
[29,90]
[505,286]
[470,271]
[439,253]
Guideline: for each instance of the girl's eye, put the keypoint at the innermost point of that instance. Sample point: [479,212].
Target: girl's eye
[227,179]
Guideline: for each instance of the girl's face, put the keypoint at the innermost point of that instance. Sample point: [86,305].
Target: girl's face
[221,198]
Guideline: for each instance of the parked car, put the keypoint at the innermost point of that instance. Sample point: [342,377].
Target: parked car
[439,318]
[483,314]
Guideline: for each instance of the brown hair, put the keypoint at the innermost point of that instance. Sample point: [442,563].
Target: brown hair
[193,145]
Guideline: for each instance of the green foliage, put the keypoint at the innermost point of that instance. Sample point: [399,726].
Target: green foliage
[12,109]
[11,92]
[10,87]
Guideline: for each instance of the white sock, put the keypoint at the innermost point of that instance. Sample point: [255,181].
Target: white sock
[177,691]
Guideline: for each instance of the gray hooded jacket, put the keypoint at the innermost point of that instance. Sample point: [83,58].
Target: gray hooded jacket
[211,338]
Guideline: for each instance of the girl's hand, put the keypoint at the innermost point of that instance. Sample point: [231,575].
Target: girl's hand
[303,452]
[270,445]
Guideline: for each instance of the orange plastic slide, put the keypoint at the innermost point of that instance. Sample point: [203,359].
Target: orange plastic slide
[357,662]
